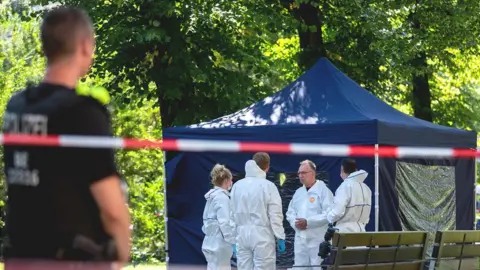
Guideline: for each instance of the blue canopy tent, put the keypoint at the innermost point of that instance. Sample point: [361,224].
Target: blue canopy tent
[325,106]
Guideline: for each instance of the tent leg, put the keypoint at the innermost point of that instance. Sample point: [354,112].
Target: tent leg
[475,204]
[475,196]
[165,209]
[377,176]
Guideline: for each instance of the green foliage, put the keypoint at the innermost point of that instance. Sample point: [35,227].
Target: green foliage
[456,94]
[444,34]
[176,62]
[143,171]
[199,59]
[283,56]
[379,43]
[21,61]
[19,64]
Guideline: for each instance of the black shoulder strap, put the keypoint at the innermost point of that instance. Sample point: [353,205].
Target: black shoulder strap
[28,101]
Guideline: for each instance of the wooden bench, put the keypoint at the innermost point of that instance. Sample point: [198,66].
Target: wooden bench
[381,250]
[456,249]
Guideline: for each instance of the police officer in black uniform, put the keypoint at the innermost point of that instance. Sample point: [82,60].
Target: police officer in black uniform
[63,203]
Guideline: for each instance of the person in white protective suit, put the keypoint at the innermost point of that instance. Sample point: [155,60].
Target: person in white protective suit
[353,200]
[219,242]
[307,214]
[258,217]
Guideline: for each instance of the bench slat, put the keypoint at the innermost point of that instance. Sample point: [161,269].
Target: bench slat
[381,255]
[379,238]
[386,266]
[457,236]
[455,251]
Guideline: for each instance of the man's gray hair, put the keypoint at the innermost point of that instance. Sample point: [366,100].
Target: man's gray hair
[310,163]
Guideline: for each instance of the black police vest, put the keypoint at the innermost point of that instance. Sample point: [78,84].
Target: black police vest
[27,113]
[33,101]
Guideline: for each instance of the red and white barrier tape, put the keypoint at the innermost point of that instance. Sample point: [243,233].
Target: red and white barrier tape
[188,145]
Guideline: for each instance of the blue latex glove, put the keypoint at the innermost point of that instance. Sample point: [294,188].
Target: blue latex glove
[234,248]
[281,245]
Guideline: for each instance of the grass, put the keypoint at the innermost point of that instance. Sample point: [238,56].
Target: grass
[145,267]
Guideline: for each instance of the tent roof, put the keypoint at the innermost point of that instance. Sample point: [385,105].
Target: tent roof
[323,96]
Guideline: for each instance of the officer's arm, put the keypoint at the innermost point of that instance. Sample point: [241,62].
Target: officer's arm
[325,202]
[221,205]
[99,170]
[340,202]
[232,210]
[274,210]
[292,212]
[114,213]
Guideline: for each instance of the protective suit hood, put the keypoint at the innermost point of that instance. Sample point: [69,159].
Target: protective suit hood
[252,170]
[358,176]
[212,192]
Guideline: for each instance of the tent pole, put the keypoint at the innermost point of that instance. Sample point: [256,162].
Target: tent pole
[475,196]
[165,209]
[377,176]
[475,202]
[475,189]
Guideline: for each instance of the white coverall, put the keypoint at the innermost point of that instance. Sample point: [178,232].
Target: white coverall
[312,205]
[219,232]
[351,204]
[258,217]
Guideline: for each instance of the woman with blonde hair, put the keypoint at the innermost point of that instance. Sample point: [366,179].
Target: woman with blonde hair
[219,233]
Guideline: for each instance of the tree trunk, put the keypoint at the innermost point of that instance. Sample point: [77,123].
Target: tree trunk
[166,110]
[310,32]
[421,96]
[169,108]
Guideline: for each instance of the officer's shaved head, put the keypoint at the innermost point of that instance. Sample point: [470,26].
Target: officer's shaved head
[62,30]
